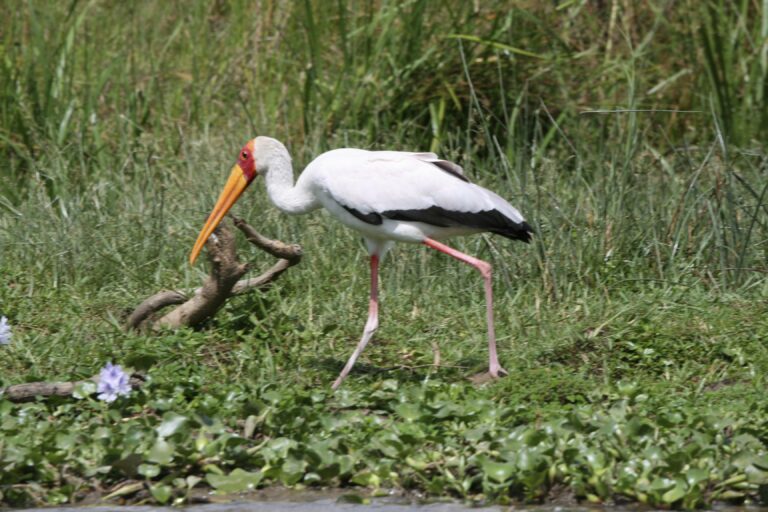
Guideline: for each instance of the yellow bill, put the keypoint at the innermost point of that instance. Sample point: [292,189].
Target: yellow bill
[235,186]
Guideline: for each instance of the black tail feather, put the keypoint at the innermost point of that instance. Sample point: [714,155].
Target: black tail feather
[516,231]
[487,220]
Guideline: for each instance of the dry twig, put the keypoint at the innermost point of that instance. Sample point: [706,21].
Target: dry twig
[31,390]
[223,282]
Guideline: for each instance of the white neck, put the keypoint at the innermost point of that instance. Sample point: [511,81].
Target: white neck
[280,187]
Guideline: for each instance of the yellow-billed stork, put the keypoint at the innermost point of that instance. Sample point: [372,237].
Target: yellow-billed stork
[387,196]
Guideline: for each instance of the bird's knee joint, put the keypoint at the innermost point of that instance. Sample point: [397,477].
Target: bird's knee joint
[371,326]
[484,268]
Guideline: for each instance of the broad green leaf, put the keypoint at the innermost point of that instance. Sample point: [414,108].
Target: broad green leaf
[674,494]
[237,481]
[408,411]
[84,389]
[497,471]
[161,492]
[292,470]
[161,452]
[761,461]
[148,470]
[695,475]
[172,422]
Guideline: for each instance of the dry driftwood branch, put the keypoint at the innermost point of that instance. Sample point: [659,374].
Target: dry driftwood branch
[198,305]
[153,304]
[276,248]
[29,391]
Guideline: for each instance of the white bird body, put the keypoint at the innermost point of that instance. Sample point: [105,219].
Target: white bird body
[386,196]
[369,191]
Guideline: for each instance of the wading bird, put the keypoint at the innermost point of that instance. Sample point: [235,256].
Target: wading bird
[387,196]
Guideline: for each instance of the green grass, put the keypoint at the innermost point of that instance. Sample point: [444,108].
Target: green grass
[633,327]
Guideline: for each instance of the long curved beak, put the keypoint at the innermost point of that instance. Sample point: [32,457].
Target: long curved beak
[235,186]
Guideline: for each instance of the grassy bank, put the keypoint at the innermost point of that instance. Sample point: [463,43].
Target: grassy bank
[633,327]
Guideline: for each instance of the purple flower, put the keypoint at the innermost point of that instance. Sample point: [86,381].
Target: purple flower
[113,381]
[5,331]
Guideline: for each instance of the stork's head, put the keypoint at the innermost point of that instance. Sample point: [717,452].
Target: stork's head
[243,173]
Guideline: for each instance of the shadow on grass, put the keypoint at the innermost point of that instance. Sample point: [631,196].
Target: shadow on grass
[462,371]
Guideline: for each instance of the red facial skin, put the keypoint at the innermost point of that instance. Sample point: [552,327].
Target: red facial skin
[246,162]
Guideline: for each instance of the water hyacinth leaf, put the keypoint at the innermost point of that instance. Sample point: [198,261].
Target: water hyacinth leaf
[408,411]
[593,498]
[65,441]
[497,471]
[273,396]
[448,410]
[237,481]
[756,475]
[639,427]
[161,452]
[475,434]
[416,463]
[278,448]
[346,464]
[367,479]
[534,437]
[172,422]
[653,455]
[761,461]
[743,459]
[595,459]
[201,441]
[292,470]
[675,493]
[661,484]
[747,441]
[322,451]
[696,475]
[84,389]
[148,470]
[670,419]
[98,470]
[161,492]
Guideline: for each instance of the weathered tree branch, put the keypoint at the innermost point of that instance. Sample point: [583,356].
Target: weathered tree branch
[276,248]
[29,391]
[198,305]
[154,304]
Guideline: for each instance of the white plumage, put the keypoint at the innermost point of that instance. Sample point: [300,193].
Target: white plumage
[387,196]
[385,181]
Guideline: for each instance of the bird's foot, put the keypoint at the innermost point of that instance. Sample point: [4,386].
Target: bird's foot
[491,374]
[497,372]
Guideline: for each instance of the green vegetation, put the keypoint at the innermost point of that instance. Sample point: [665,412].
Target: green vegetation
[634,327]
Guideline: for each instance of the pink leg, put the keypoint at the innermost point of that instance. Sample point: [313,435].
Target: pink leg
[494,368]
[370,326]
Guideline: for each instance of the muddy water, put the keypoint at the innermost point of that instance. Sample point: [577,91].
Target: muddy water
[286,506]
[286,500]
[277,500]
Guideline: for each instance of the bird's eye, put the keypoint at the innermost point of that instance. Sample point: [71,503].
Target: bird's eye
[244,155]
